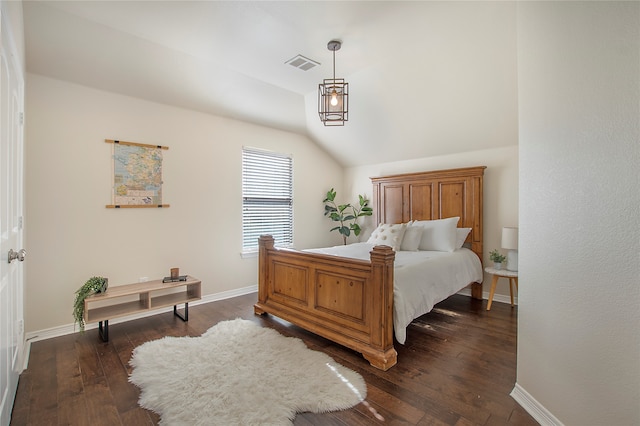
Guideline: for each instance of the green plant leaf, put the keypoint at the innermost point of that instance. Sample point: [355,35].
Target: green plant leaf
[331,195]
[328,209]
[366,211]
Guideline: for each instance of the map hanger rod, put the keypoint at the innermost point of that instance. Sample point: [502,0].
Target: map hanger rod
[135,144]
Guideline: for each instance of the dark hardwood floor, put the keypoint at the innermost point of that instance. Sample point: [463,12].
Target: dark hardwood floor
[457,368]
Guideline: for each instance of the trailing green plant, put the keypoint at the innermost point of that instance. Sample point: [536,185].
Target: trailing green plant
[91,286]
[346,214]
[496,256]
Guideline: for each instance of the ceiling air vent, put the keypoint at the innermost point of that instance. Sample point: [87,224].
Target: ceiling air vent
[301,62]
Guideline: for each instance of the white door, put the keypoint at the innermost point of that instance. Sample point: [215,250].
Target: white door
[11,203]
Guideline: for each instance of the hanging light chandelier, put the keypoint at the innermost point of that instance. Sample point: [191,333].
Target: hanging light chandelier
[333,95]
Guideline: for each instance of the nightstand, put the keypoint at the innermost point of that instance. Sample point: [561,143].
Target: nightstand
[497,273]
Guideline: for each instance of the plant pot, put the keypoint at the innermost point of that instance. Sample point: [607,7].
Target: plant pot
[497,265]
[104,286]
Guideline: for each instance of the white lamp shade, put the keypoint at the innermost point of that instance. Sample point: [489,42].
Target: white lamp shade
[510,238]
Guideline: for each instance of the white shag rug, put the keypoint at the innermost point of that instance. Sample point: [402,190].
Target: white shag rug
[238,373]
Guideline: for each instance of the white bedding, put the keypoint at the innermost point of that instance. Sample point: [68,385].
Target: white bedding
[421,278]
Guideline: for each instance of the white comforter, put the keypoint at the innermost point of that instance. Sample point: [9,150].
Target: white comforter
[421,278]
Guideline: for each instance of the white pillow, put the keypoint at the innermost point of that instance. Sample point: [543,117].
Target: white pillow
[411,238]
[438,235]
[461,236]
[388,235]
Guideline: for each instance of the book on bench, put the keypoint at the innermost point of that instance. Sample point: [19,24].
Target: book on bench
[174,280]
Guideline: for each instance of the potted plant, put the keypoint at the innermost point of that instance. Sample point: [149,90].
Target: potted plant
[91,286]
[346,214]
[497,258]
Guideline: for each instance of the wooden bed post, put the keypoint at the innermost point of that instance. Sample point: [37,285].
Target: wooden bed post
[476,291]
[381,353]
[265,242]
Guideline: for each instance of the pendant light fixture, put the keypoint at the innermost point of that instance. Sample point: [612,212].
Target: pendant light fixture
[333,95]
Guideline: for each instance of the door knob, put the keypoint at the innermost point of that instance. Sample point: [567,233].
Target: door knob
[20,255]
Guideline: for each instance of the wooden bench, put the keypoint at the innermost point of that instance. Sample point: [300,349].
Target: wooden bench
[119,301]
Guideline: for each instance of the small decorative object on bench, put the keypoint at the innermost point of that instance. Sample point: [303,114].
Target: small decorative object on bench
[91,286]
[174,276]
[175,273]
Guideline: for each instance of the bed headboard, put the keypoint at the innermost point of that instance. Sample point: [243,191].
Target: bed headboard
[432,195]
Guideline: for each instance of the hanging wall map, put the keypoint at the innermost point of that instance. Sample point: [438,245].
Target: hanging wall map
[137,175]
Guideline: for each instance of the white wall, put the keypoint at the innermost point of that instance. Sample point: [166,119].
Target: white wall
[71,236]
[447,86]
[12,11]
[579,316]
[500,189]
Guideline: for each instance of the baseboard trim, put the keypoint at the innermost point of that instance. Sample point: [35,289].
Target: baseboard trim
[533,407]
[502,298]
[63,330]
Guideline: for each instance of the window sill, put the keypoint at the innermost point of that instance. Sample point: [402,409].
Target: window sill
[249,254]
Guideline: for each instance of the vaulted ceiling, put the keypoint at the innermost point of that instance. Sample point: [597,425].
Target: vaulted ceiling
[425,78]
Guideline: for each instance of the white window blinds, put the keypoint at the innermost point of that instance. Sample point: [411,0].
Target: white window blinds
[267,198]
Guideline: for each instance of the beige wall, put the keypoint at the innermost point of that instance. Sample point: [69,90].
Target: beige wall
[578,319]
[65,211]
[500,189]
[71,236]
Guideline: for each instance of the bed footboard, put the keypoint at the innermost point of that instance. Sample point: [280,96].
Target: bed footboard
[345,300]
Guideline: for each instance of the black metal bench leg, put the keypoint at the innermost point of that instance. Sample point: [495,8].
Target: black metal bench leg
[184,317]
[104,331]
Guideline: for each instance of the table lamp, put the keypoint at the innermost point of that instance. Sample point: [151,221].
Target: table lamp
[510,242]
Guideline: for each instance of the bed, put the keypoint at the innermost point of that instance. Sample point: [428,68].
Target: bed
[348,297]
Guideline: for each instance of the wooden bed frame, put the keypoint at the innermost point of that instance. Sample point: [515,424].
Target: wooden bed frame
[350,301]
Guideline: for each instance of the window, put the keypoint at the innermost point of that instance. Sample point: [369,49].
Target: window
[267,198]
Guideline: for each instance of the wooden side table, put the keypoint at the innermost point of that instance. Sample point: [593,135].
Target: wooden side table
[497,273]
